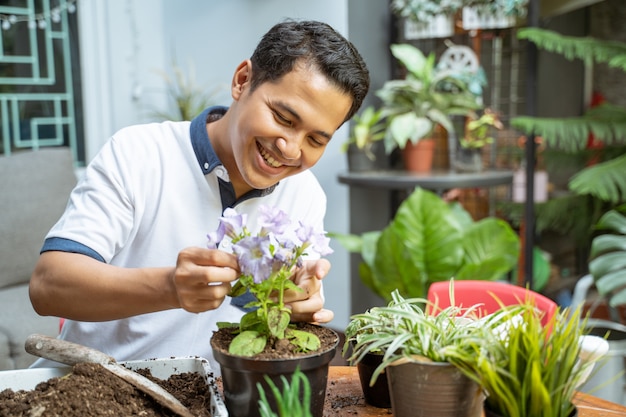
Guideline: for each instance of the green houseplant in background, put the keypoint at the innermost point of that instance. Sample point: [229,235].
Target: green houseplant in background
[366,135]
[477,135]
[608,256]
[425,98]
[430,240]
[423,11]
[599,186]
[186,98]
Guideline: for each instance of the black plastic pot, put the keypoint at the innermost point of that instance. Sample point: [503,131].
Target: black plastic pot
[240,376]
[433,389]
[377,394]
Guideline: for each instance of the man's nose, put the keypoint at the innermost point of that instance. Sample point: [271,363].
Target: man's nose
[289,147]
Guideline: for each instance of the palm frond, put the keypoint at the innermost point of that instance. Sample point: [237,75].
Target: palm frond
[588,49]
[606,123]
[605,181]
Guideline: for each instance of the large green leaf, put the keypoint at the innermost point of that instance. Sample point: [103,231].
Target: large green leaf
[490,249]
[422,244]
[430,240]
[608,256]
[605,181]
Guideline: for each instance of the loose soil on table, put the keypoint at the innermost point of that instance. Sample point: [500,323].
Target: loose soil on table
[92,391]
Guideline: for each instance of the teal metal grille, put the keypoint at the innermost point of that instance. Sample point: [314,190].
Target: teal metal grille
[39,76]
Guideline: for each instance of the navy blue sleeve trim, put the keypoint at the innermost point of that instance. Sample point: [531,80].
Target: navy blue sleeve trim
[67,245]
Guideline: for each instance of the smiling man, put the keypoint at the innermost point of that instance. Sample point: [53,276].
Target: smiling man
[127,265]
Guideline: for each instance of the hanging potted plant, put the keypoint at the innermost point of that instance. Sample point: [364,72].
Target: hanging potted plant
[493,14]
[476,137]
[426,18]
[423,103]
[265,342]
[429,360]
[365,144]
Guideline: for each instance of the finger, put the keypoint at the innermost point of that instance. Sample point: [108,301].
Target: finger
[320,268]
[306,307]
[320,316]
[208,297]
[208,257]
[307,288]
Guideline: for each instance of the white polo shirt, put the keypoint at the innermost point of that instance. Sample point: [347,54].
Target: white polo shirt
[152,191]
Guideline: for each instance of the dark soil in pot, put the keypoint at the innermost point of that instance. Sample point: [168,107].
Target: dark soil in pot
[91,391]
[241,374]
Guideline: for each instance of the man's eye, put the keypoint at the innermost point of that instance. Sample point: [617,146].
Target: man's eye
[281,119]
[315,141]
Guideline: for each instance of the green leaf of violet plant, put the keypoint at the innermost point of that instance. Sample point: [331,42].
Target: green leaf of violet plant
[267,261]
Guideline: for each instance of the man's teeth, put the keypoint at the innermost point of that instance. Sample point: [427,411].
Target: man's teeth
[268,158]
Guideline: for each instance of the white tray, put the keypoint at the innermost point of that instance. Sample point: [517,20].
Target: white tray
[27,379]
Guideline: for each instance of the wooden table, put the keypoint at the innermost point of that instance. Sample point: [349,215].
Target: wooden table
[343,385]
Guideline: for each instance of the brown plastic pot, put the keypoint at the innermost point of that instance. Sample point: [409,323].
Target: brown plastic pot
[240,376]
[433,389]
[376,395]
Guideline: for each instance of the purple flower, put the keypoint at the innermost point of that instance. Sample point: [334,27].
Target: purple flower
[255,257]
[233,224]
[273,220]
[319,241]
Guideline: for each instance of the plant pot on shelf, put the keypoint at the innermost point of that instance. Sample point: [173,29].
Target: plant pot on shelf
[469,160]
[240,376]
[433,389]
[359,161]
[377,394]
[440,26]
[478,17]
[419,157]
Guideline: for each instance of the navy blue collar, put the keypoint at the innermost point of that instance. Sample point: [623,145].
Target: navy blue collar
[200,142]
[208,159]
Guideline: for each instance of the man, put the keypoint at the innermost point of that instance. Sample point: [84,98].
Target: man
[127,264]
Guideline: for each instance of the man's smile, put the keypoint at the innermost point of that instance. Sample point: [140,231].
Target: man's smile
[269,160]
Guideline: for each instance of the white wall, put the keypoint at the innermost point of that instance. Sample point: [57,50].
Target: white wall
[124,43]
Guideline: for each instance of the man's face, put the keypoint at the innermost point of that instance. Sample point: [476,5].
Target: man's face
[281,128]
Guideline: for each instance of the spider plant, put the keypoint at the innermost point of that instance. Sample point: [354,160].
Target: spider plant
[404,331]
[293,401]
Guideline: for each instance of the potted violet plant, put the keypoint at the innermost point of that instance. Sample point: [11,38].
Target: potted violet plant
[265,342]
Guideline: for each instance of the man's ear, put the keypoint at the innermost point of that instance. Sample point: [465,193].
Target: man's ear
[241,79]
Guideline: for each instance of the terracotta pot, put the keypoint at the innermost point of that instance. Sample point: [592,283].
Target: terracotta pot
[419,157]
[377,394]
[433,389]
[240,376]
